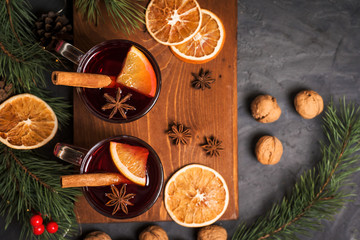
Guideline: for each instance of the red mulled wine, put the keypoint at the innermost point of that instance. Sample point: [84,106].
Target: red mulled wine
[108,58]
[98,160]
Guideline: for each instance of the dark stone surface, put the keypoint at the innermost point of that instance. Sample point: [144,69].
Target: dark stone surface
[283,46]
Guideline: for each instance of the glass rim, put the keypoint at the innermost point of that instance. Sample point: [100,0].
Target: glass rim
[158,163]
[153,62]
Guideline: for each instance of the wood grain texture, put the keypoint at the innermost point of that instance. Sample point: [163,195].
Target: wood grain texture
[212,112]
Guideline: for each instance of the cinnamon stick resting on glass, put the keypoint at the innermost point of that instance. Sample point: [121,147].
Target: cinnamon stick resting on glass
[92,180]
[87,80]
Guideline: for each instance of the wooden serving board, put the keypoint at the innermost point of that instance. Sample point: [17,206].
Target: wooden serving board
[212,112]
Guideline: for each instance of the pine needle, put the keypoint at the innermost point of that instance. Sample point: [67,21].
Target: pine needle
[35,187]
[126,15]
[28,181]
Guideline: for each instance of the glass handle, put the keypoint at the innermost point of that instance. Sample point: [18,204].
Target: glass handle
[69,153]
[69,51]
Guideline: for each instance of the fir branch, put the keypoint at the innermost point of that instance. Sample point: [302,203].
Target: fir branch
[26,170]
[24,65]
[9,53]
[22,62]
[321,191]
[89,9]
[126,15]
[10,21]
[16,17]
[27,76]
[35,187]
[34,179]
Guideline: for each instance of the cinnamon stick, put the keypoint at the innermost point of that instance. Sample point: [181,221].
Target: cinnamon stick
[75,79]
[92,180]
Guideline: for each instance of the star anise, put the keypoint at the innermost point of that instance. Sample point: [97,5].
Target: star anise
[119,199]
[179,133]
[117,104]
[212,146]
[202,79]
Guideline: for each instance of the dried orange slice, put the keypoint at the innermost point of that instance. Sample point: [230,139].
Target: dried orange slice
[196,196]
[173,22]
[130,161]
[26,122]
[207,42]
[138,73]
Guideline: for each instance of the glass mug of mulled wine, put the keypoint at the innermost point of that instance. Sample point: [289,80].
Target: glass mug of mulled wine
[134,73]
[122,198]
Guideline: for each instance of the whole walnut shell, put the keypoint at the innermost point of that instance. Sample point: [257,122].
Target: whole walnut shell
[265,109]
[308,104]
[268,150]
[97,235]
[153,233]
[212,232]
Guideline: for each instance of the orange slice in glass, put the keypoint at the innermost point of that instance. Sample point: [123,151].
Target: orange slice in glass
[130,161]
[26,122]
[196,196]
[207,42]
[138,73]
[172,22]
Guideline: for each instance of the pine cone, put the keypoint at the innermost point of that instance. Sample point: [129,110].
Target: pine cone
[51,27]
[5,90]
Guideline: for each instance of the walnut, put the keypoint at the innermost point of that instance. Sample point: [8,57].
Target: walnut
[153,233]
[268,150]
[308,104]
[97,235]
[265,109]
[212,232]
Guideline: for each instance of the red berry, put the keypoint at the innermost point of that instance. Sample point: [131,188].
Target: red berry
[38,230]
[52,227]
[36,220]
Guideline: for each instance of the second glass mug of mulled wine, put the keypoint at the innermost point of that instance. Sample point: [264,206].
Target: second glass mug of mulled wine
[135,73]
[123,199]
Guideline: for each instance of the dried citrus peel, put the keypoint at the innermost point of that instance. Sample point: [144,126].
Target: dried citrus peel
[26,122]
[196,196]
[207,42]
[173,22]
